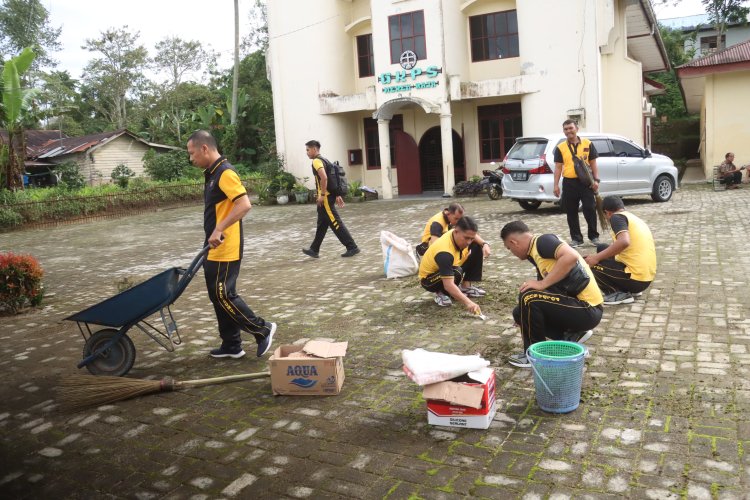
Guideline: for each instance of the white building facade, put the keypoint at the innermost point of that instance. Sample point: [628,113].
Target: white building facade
[414,96]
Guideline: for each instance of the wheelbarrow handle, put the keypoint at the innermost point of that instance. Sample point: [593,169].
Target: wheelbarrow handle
[191,270]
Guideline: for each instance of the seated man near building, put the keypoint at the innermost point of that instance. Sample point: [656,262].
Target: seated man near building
[730,175]
[628,266]
[437,226]
[446,262]
[563,303]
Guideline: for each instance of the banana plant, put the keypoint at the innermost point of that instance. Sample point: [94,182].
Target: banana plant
[16,106]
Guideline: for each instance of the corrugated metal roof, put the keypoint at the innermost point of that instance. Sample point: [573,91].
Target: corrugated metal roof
[735,54]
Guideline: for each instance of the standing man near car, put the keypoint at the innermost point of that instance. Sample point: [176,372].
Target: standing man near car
[573,190]
[628,266]
[327,214]
[226,202]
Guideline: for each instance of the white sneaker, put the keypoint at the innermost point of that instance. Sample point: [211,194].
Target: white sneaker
[472,291]
[442,300]
[618,298]
[519,360]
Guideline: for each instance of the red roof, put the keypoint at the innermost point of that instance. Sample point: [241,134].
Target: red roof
[731,55]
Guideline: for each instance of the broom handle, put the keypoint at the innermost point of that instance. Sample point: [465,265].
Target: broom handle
[186,384]
[599,210]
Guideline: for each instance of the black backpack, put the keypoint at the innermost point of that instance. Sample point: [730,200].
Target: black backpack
[337,184]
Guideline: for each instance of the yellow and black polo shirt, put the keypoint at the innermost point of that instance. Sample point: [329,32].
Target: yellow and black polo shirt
[640,256]
[222,187]
[436,226]
[442,256]
[564,154]
[543,254]
[317,164]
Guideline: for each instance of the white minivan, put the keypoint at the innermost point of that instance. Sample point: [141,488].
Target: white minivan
[625,169]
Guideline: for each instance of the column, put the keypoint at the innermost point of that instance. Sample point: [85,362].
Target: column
[386,173]
[446,142]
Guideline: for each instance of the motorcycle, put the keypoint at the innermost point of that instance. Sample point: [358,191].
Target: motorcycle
[493,183]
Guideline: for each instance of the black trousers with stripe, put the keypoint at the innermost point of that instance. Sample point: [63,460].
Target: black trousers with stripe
[329,217]
[573,192]
[232,313]
[611,276]
[434,282]
[547,314]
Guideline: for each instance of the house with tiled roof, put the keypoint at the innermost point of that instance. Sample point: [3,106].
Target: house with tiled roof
[716,86]
[96,154]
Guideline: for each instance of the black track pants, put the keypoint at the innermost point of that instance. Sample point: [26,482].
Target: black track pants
[611,276]
[434,283]
[232,313]
[544,314]
[329,217]
[574,192]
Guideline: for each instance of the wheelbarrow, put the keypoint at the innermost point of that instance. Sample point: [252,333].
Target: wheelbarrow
[109,350]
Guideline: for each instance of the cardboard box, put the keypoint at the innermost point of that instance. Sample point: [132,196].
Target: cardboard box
[315,369]
[465,401]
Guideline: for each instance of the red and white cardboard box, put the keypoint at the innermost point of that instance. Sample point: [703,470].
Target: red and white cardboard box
[465,401]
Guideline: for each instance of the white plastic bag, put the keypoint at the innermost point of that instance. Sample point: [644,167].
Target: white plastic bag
[398,256]
[425,367]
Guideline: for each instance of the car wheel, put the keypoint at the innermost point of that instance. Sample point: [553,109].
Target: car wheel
[494,192]
[663,189]
[529,205]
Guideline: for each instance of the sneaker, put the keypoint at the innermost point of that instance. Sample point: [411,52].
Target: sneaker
[618,298]
[576,243]
[579,337]
[636,294]
[519,360]
[351,253]
[223,352]
[472,291]
[595,241]
[442,300]
[310,253]
[265,344]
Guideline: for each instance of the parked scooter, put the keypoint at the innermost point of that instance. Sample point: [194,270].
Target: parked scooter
[493,182]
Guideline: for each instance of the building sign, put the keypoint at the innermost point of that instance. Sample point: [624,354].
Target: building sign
[411,77]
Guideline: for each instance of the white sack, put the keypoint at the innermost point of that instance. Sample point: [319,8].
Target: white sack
[398,256]
[425,367]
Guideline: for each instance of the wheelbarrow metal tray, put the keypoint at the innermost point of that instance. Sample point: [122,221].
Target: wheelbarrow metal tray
[133,304]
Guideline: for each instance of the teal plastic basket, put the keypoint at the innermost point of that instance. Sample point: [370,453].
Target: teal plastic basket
[558,374]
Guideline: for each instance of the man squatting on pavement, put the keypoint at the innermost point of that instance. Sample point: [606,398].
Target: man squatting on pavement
[327,214]
[226,203]
[479,250]
[628,266]
[441,271]
[564,302]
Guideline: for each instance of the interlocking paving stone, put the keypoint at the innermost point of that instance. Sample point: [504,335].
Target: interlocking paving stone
[665,397]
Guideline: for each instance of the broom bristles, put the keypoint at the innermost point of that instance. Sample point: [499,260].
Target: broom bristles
[77,392]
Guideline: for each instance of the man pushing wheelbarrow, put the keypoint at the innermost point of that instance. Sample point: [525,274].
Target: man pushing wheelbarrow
[109,351]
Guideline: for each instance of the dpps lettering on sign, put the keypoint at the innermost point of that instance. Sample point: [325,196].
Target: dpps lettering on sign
[303,370]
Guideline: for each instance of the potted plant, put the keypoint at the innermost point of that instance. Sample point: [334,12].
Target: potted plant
[355,192]
[300,191]
[282,196]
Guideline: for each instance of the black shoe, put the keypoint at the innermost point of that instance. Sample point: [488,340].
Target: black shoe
[579,337]
[265,344]
[310,253]
[223,352]
[351,253]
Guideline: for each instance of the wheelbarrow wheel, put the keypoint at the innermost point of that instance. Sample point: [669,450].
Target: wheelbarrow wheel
[115,361]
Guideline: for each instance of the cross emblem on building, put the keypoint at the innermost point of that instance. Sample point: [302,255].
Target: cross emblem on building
[408,59]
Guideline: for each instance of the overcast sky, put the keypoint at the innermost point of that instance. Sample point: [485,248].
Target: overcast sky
[210,22]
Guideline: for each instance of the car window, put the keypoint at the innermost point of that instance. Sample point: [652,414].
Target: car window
[626,149]
[603,149]
[527,150]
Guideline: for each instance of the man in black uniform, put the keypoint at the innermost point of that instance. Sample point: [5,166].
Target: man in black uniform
[564,302]
[226,202]
[327,214]
[573,190]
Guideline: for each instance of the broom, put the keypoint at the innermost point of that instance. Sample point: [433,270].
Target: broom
[81,391]
[599,202]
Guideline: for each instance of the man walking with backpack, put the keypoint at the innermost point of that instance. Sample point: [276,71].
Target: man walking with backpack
[327,214]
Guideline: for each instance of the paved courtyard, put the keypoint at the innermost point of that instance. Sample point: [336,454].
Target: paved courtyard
[664,410]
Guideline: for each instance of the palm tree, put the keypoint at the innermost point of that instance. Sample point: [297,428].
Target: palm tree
[16,105]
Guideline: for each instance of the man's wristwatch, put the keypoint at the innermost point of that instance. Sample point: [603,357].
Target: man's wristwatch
[597,180]
[485,243]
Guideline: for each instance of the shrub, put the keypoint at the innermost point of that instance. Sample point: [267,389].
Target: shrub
[166,166]
[9,218]
[20,282]
[467,188]
[70,175]
[121,175]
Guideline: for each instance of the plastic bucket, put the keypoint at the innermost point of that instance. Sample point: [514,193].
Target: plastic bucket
[558,374]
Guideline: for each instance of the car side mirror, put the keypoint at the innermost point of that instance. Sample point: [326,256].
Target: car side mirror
[646,153]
